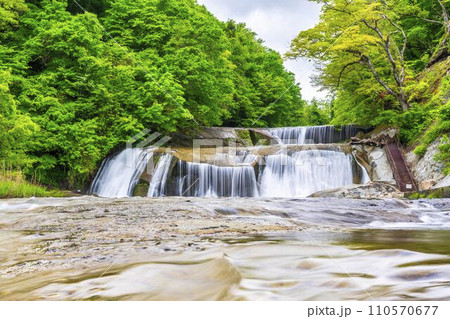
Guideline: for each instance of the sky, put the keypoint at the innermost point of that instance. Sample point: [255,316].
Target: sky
[276,23]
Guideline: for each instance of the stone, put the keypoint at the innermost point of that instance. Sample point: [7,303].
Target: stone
[445,182]
[383,135]
[374,190]
[427,184]
[262,137]
[426,169]
[382,171]
[141,188]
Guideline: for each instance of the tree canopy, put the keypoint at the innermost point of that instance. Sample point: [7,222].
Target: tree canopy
[76,84]
[385,63]
[371,52]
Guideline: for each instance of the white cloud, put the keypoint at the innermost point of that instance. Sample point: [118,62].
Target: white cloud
[277,23]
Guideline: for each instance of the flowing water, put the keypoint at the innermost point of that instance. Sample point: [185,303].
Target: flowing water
[205,180]
[324,134]
[119,174]
[282,173]
[304,173]
[161,172]
[91,248]
[236,227]
[296,174]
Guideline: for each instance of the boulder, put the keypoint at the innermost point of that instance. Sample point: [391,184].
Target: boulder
[373,190]
[427,171]
[262,137]
[427,184]
[381,169]
[445,182]
[383,135]
[141,188]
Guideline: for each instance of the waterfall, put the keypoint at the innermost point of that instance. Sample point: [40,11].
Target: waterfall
[305,172]
[324,134]
[206,180]
[298,174]
[290,135]
[241,173]
[160,174]
[119,174]
[364,175]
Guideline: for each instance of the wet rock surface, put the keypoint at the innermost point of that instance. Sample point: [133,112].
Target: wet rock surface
[373,190]
[382,171]
[209,249]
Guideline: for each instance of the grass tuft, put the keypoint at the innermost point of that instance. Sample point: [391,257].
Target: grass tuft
[13,184]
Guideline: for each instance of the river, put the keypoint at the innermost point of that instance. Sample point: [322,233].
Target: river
[183,248]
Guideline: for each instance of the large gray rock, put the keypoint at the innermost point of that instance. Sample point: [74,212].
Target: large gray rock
[443,183]
[374,190]
[221,133]
[381,169]
[236,136]
[383,135]
[427,171]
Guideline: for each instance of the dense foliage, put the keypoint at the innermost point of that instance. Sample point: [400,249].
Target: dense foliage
[386,63]
[75,84]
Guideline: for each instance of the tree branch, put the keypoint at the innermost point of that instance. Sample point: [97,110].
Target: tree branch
[368,62]
[445,15]
[386,47]
[336,9]
[428,20]
[343,69]
[402,52]
[442,47]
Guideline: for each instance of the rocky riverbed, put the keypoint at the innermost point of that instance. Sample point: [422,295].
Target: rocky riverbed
[197,249]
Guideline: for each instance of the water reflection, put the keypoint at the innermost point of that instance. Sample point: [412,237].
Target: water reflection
[423,241]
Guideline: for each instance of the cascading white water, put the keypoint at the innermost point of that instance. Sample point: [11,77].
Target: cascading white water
[160,174]
[296,174]
[119,175]
[365,178]
[290,135]
[304,173]
[325,134]
[206,180]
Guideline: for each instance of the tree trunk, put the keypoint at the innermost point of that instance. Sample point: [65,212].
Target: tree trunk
[403,101]
[442,49]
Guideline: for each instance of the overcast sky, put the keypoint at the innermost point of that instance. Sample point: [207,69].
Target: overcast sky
[277,23]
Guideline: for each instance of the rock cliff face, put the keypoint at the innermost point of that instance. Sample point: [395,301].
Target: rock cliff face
[374,159]
[443,183]
[427,171]
[228,136]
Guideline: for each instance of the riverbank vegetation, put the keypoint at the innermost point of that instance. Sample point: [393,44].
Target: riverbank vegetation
[13,184]
[385,63]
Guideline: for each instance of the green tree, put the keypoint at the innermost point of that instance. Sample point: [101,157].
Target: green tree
[370,54]
[86,95]
[358,34]
[10,11]
[317,113]
[265,93]
[91,80]
[16,129]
